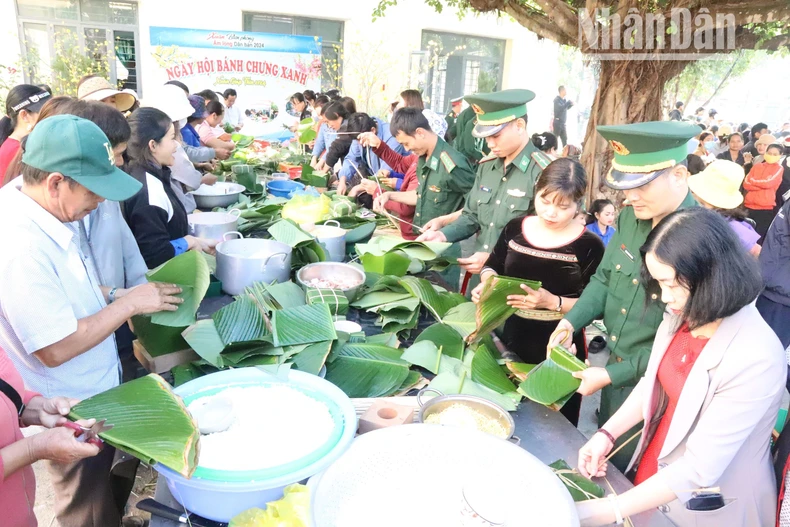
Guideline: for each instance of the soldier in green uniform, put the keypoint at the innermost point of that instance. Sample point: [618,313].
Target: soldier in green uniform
[503,188]
[456,105]
[473,147]
[444,175]
[649,167]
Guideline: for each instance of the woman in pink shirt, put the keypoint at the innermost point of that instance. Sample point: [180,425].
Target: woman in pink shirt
[17,453]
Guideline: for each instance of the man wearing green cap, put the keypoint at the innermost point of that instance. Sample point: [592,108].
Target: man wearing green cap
[649,167]
[57,320]
[505,181]
[456,106]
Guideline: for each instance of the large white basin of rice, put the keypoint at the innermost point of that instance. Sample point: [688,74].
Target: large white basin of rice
[271,426]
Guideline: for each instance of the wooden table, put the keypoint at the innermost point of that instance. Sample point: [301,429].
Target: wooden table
[544,433]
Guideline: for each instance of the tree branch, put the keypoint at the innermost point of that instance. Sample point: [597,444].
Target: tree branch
[562,15]
[539,24]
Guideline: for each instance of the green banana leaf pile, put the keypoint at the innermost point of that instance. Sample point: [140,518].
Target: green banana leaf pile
[392,255]
[311,178]
[306,249]
[149,421]
[551,382]
[492,310]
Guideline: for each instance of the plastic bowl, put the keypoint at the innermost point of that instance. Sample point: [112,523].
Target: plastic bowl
[283,189]
[221,495]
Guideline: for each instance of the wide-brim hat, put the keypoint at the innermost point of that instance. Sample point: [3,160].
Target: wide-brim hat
[765,139]
[642,151]
[98,89]
[495,110]
[719,184]
[171,100]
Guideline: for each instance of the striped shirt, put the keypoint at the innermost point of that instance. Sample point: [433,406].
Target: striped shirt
[47,284]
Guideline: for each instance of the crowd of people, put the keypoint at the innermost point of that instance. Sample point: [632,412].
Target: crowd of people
[690,278]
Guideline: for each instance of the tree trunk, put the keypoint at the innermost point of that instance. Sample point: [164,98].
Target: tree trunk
[628,92]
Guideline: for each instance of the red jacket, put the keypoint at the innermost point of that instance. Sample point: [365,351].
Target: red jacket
[407,165]
[761,185]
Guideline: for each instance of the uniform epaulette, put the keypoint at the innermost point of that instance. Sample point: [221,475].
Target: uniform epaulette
[447,161]
[489,157]
[541,158]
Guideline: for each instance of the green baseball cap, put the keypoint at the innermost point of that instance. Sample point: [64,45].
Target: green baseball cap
[495,110]
[77,148]
[642,151]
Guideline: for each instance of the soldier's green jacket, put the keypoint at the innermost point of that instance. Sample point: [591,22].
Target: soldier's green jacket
[499,194]
[615,293]
[445,179]
[474,149]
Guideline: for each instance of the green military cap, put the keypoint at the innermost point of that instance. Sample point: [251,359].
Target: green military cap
[642,151]
[495,110]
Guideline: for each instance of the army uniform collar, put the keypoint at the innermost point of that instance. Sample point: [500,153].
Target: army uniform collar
[522,160]
[433,162]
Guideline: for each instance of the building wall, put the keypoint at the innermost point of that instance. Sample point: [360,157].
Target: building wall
[528,63]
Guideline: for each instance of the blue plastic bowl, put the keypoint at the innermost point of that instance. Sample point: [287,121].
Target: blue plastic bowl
[221,499]
[283,189]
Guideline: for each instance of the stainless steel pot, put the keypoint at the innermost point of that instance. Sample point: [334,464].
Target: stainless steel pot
[484,406]
[220,194]
[213,225]
[333,239]
[240,262]
[331,270]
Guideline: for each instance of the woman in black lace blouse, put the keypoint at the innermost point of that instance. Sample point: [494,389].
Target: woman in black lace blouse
[551,248]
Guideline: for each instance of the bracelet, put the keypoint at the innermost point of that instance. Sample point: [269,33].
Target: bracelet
[619,520]
[111,295]
[558,309]
[607,434]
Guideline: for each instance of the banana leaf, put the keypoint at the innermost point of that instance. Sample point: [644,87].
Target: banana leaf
[190,272]
[313,357]
[367,370]
[551,382]
[519,370]
[410,304]
[149,421]
[581,488]
[492,309]
[240,321]
[444,337]
[205,340]
[303,325]
[359,233]
[438,303]
[158,340]
[250,181]
[378,298]
[461,318]
[236,357]
[289,233]
[412,379]
[385,339]
[376,282]
[258,360]
[310,178]
[487,371]
[184,373]
[449,382]
[424,251]
[424,354]
[336,301]
[395,263]
[286,294]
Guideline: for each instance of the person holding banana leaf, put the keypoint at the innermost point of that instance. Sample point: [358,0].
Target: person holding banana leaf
[649,166]
[552,248]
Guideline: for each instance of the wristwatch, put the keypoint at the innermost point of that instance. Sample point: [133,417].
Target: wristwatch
[558,309]
[111,295]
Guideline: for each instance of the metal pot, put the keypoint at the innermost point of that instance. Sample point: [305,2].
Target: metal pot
[484,406]
[325,270]
[207,197]
[333,239]
[241,262]
[213,225]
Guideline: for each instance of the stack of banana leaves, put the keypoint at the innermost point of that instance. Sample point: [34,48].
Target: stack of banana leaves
[392,255]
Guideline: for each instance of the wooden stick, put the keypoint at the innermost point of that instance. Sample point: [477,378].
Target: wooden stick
[420,229]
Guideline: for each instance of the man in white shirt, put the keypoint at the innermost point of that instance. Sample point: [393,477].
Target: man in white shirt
[232,112]
[57,322]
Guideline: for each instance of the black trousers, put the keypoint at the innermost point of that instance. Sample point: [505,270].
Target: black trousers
[560,132]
